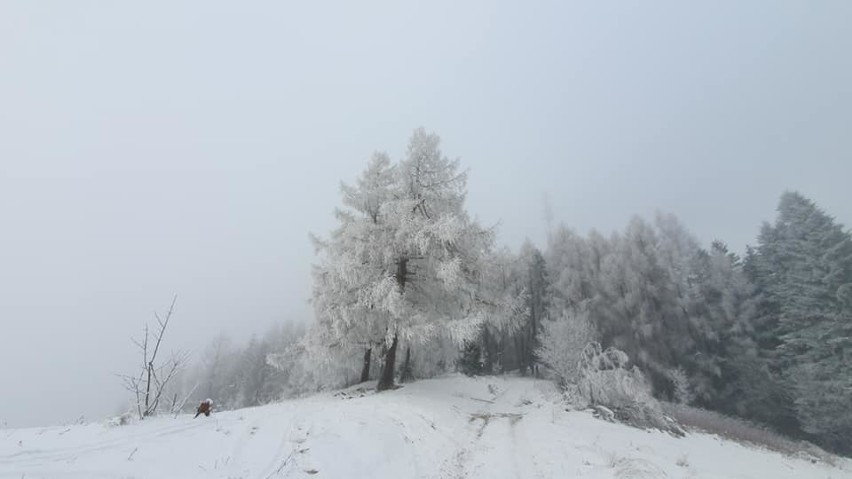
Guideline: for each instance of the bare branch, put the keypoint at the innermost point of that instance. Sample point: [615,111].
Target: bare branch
[137,343]
[177,409]
[163,325]
[153,378]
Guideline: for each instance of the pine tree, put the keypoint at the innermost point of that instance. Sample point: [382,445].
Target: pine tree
[725,369]
[803,266]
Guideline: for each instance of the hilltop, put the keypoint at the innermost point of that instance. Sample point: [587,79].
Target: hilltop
[451,427]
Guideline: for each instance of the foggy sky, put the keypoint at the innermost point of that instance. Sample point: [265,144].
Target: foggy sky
[161,148]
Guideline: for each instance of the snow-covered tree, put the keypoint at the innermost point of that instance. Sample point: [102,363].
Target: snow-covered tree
[236,376]
[310,366]
[153,382]
[655,294]
[534,277]
[641,309]
[219,373]
[722,363]
[353,277]
[573,267]
[505,290]
[561,344]
[803,268]
[405,262]
[606,377]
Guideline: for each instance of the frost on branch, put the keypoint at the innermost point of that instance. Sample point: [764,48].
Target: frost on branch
[606,379]
[154,375]
[405,262]
[561,346]
[622,391]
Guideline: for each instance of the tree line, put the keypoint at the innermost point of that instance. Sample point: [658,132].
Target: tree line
[408,285]
[766,336]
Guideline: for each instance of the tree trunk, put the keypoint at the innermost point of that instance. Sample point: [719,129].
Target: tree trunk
[488,358]
[365,370]
[521,354]
[386,378]
[533,343]
[148,389]
[406,367]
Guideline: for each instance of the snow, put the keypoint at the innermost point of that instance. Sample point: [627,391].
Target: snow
[452,427]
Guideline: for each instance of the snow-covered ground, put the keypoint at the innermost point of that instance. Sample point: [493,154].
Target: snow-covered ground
[444,428]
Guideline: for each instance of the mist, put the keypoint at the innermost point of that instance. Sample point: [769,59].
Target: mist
[189,148]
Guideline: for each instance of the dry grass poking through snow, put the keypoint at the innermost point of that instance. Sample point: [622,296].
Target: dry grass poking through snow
[744,432]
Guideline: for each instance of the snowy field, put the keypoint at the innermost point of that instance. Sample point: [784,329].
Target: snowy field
[445,428]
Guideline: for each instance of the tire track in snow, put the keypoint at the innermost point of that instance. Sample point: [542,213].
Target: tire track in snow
[38,456]
[467,461]
[292,446]
[497,443]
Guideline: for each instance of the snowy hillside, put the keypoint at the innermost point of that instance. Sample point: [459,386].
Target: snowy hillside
[453,427]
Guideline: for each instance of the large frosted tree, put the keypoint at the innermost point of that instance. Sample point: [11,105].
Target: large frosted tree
[641,308]
[406,261]
[353,274]
[647,292]
[803,268]
[724,366]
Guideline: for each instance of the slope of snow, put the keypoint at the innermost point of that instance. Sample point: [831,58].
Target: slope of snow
[453,427]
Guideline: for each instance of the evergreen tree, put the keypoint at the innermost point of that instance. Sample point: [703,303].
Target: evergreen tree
[725,370]
[803,266]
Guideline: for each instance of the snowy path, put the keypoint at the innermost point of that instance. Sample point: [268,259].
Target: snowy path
[446,428]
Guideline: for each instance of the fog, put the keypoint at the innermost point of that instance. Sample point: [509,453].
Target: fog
[188,148]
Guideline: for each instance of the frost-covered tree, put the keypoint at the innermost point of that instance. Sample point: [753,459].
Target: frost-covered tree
[236,376]
[574,295]
[219,373]
[353,278]
[310,366]
[505,291]
[405,262]
[561,344]
[768,338]
[573,268]
[534,277]
[259,382]
[151,384]
[803,268]
[641,307]
[722,363]
[649,292]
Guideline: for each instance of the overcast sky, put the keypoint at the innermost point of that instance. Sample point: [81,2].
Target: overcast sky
[153,148]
